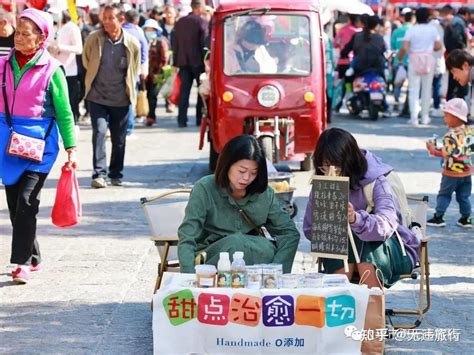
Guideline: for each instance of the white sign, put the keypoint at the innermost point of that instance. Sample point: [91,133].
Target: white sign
[268,321]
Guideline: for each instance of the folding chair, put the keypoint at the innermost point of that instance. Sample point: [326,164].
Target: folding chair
[164,214]
[421,270]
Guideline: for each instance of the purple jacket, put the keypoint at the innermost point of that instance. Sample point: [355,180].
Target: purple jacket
[380,224]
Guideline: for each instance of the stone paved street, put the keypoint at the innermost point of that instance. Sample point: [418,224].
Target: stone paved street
[93,296]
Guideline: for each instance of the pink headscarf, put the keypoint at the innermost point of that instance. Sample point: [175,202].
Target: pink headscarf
[42,19]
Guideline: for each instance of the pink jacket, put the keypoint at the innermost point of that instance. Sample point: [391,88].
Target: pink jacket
[28,99]
[342,38]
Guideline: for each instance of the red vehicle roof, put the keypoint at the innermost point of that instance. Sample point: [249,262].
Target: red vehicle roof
[239,5]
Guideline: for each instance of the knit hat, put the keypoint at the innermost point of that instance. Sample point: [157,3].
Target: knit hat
[457,107]
[42,19]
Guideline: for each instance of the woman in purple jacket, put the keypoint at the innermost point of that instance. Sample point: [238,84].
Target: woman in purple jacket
[374,233]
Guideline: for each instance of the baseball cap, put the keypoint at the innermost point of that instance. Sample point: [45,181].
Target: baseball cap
[457,107]
[406,10]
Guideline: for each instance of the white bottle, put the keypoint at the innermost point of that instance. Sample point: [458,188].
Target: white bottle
[238,270]
[223,270]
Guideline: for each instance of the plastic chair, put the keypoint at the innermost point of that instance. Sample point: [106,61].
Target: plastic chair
[164,214]
[418,207]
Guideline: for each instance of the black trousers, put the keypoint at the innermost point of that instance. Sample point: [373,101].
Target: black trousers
[152,95]
[23,199]
[116,120]
[74,92]
[188,74]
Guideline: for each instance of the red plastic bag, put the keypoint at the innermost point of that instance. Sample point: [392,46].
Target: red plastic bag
[174,96]
[67,209]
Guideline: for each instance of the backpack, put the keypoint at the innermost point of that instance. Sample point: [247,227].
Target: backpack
[400,197]
[398,193]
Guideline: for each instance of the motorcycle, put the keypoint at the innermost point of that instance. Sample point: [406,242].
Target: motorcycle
[368,93]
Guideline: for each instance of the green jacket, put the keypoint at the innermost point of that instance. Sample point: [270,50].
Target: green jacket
[211,217]
[92,53]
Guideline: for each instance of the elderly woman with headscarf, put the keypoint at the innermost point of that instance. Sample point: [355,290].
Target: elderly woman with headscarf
[34,103]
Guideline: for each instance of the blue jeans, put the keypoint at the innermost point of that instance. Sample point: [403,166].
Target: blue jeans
[116,118]
[462,186]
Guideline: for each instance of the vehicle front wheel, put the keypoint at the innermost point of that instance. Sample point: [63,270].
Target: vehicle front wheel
[267,145]
[307,163]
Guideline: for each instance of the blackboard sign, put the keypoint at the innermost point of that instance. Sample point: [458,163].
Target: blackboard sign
[330,228]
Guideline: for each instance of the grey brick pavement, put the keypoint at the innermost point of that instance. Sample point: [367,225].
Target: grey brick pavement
[93,295]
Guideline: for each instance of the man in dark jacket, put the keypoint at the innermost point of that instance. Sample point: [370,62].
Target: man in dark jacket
[188,56]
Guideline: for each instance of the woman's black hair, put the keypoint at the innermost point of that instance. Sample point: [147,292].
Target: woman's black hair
[372,22]
[339,148]
[422,15]
[244,147]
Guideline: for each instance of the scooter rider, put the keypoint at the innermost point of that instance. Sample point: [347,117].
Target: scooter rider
[368,48]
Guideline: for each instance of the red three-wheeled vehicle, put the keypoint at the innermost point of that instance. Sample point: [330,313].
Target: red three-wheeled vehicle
[266,77]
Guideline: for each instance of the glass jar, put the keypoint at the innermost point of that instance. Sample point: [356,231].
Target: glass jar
[205,276]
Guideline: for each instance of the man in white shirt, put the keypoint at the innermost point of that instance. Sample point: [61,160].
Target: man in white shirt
[67,45]
[421,41]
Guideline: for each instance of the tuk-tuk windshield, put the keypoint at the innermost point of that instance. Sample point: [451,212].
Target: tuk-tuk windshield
[267,45]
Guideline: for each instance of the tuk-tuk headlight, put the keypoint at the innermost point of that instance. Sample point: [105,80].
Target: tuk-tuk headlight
[309,96]
[268,96]
[227,96]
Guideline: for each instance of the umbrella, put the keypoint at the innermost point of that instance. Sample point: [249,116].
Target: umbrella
[350,6]
[91,4]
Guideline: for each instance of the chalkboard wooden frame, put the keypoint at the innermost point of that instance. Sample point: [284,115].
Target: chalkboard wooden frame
[343,257]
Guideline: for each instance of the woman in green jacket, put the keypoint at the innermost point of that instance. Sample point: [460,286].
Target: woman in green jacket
[214,224]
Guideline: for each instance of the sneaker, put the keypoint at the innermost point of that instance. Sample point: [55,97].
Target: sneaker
[150,121]
[465,222]
[437,112]
[98,183]
[116,182]
[170,108]
[20,276]
[36,267]
[425,120]
[413,122]
[436,221]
